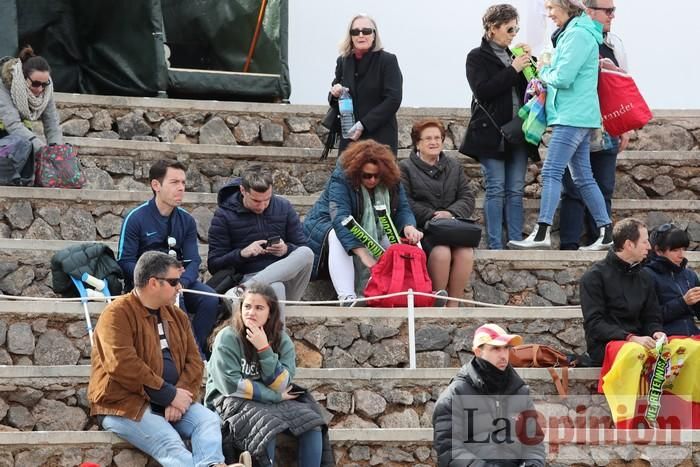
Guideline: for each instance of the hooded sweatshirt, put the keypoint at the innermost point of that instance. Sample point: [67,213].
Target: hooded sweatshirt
[572,77]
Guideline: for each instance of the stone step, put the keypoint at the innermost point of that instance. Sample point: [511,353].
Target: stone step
[289,125]
[121,164]
[54,333]
[54,398]
[529,278]
[97,215]
[363,447]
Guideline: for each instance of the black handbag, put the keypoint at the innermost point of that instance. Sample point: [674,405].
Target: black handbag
[454,231]
[512,131]
[332,122]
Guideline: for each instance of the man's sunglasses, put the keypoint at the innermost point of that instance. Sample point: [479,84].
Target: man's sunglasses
[368,176]
[364,31]
[173,281]
[37,84]
[513,30]
[608,11]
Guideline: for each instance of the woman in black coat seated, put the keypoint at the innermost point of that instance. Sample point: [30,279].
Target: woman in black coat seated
[374,79]
[498,86]
[437,188]
[677,286]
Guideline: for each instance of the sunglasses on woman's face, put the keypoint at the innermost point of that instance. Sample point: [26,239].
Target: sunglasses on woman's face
[37,84]
[363,31]
[369,176]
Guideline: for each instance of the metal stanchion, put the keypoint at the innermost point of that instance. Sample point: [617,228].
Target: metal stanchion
[411,331]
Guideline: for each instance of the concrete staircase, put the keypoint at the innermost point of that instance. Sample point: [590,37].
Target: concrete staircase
[354,360]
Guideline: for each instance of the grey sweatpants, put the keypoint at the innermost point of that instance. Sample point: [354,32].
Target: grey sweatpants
[288,277]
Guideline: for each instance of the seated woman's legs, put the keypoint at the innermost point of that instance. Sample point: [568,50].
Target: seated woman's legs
[309,448]
[460,272]
[494,200]
[439,266]
[340,268]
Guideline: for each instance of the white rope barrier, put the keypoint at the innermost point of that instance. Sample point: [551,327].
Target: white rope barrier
[410,295]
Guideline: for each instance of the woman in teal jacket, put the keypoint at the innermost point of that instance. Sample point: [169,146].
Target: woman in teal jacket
[572,111]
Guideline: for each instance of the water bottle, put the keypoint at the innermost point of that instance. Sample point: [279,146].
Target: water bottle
[347,117]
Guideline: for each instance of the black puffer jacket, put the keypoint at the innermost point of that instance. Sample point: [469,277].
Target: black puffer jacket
[250,425]
[617,299]
[96,259]
[468,437]
[439,187]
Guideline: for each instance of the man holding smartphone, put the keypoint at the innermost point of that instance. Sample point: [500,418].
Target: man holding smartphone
[259,235]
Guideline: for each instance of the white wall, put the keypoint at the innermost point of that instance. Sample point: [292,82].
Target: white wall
[432,37]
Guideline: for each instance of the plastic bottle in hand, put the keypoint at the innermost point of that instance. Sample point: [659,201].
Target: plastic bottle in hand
[347,116]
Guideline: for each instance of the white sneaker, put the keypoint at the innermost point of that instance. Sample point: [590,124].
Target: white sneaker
[603,242]
[530,243]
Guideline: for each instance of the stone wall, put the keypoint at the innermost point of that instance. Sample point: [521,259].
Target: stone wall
[500,278]
[291,126]
[97,216]
[119,165]
[333,342]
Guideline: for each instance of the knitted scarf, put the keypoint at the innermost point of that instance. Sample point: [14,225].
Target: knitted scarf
[29,106]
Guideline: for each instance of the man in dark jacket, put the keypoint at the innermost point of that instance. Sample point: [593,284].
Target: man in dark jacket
[476,419]
[160,224]
[619,301]
[260,236]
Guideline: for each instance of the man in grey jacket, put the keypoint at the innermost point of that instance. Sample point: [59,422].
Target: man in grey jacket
[485,417]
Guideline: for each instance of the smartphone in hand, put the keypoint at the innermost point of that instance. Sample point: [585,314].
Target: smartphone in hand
[272,241]
[297,390]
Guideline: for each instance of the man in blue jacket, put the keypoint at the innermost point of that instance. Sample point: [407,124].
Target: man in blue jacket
[160,224]
[259,235]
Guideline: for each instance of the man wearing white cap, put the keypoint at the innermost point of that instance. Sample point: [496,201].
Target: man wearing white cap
[476,418]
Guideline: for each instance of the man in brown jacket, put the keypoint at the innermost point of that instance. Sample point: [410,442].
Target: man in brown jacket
[147,371]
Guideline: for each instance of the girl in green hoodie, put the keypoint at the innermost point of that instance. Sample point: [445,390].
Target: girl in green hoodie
[254,359]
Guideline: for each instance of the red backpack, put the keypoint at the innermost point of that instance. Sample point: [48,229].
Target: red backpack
[400,268]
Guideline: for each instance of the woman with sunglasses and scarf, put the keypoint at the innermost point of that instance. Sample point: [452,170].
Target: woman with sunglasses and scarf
[498,86]
[375,82]
[677,286]
[367,175]
[26,95]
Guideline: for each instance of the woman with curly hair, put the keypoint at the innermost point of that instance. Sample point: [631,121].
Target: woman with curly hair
[249,384]
[367,175]
[26,95]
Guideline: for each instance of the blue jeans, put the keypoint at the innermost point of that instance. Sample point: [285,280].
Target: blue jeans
[574,218]
[310,446]
[505,182]
[204,311]
[162,440]
[570,146]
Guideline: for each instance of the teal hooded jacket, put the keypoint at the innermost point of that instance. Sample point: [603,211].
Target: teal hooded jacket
[572,77]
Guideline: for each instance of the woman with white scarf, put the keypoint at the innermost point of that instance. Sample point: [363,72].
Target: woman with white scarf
[26,95]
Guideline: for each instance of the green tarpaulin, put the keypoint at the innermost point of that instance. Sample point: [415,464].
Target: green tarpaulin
[108,47]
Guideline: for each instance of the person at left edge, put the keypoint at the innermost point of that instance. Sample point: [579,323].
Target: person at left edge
[160,224]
